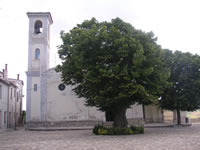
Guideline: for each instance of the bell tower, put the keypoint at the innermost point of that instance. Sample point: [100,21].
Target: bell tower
[38,64]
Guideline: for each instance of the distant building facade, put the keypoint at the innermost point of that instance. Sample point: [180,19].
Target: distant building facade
[49,100]
[11,95]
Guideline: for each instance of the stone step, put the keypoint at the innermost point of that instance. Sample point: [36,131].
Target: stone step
[150,125]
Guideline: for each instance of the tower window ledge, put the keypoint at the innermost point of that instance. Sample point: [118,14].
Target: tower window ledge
[38,35]
[36,59]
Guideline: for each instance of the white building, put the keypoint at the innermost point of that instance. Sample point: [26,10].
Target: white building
[50,101]
[10,100]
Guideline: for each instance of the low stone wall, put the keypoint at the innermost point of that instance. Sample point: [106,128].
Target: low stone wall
[194,120]
[61,124]
[82,123]
[136,121]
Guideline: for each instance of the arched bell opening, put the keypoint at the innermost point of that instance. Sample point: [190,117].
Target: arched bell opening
[38,27]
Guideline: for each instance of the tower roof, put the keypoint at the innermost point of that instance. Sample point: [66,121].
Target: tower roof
[38,14]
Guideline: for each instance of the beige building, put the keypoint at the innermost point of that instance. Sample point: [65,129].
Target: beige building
[50,101]
[10,100]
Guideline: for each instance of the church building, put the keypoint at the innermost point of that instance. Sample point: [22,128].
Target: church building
[49,101]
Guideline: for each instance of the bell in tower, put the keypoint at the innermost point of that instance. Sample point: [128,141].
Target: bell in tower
[38,27]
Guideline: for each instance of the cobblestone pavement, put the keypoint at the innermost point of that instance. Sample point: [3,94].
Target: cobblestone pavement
[175,138]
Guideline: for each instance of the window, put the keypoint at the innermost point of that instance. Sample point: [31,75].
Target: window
[38,27]
[37,53]
[35,87]
[5,117]
[15,93]
[11,93]
[0,91]
[17,96]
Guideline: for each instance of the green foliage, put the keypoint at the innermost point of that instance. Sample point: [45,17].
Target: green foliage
[112,65]
[184,94]
[137,129]
[96,128]
[101,130]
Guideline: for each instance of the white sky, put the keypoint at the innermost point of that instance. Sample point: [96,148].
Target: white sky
[176,23]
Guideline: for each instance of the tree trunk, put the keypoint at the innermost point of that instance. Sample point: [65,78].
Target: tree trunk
[178,117]
[144,115]
[120,118]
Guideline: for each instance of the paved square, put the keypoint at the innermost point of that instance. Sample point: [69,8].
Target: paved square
[174,138]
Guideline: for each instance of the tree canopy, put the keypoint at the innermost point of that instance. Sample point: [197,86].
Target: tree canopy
[113,66]
[184,94]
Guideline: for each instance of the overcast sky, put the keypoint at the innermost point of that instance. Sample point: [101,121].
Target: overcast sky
[176,23]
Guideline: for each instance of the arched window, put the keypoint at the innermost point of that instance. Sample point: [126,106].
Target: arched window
[37,53]
[38,27]
[35,87]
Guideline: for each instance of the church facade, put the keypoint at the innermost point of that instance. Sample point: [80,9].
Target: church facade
[50,101]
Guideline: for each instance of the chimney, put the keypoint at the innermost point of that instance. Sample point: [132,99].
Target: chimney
[5,72]
[6,66]
[17,76]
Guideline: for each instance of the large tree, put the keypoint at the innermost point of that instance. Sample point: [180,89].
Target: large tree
[184,94]
[113,66]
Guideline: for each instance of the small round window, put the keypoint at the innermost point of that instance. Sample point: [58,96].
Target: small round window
[61,87]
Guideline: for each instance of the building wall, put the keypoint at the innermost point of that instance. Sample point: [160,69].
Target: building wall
[168,116]
[134,112]
[14,108]
[153,114]
[35,100]
[19,97]
[10,100]
[193,116]
[65,105]
[3,106]
[11,107]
